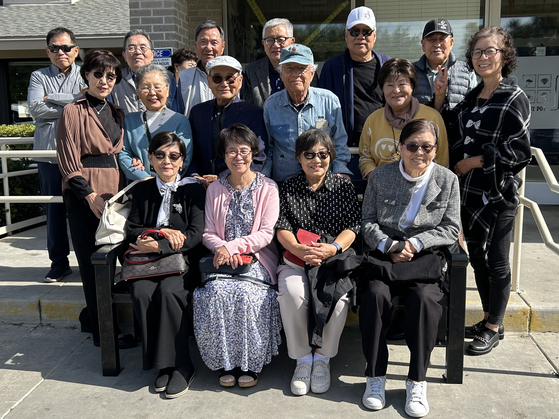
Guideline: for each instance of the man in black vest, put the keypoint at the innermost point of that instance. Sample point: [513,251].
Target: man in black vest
[437,42]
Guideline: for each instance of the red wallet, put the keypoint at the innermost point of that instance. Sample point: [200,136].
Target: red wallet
[303,237]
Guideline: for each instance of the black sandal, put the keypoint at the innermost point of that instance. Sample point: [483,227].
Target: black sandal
[251,383]
[235,372]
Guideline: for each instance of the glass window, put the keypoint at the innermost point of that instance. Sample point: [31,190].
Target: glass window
[19,74]
[533,25]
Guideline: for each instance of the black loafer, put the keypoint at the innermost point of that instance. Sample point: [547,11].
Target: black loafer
[127,342]
[483,342]
[476,329]
[179,383]
[162,379]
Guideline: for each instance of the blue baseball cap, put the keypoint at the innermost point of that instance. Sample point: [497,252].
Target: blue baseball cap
[296,53]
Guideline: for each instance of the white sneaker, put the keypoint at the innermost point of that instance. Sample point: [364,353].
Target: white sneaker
[320,378]
[416,399]
[301,381]
[374,398]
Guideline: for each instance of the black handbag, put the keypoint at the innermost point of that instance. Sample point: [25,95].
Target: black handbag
[207,267]
[141,266]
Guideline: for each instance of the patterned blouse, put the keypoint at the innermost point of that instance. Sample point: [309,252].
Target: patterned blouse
[329,210]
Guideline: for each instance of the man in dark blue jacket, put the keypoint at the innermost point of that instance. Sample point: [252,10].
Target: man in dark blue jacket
[352,75]
[207,119]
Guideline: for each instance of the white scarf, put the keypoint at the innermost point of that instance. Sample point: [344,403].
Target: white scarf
[166,189]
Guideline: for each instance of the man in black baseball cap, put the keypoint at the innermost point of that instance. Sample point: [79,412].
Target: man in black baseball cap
[437,42]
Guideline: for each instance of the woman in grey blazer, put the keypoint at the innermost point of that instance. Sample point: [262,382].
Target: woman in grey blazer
[410,209]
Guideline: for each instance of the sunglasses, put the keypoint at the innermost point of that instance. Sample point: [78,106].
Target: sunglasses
[217,79]
[366,32]
[160,155]
[413,147]
[109,76]
[322,155]
[65,48]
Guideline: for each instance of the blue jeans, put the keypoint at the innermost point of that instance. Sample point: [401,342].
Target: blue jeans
[50,181]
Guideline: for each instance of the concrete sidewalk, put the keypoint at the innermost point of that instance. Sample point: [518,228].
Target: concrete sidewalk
[51,372]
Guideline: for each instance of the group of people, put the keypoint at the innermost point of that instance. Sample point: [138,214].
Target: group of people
[440,144]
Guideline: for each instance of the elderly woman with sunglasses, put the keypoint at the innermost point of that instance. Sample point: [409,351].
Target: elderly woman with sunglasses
[325,204]
[152,83]
[410,209]
[236,317]
[379,144]
[174,206]
[89,138]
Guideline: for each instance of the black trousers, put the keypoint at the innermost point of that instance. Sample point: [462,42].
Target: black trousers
[160,307]
[491,266]
[83,225]
[423,313]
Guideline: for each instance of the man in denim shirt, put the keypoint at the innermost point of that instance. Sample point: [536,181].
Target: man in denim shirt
[50,89]
[287,114]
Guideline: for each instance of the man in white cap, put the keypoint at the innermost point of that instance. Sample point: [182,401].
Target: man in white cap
[207,119]
[352,75]
[298,108]
[437,42]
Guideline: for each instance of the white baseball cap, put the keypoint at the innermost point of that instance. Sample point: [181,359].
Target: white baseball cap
[224,60]
[362,15]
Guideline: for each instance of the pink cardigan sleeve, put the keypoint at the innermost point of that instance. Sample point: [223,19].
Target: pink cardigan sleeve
[265,216]
[214,230]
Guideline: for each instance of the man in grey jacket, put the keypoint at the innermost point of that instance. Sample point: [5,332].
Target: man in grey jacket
[137,51]
[262,77]
[50,89]
[437,42]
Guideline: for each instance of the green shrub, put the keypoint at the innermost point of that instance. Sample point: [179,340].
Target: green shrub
[21,185]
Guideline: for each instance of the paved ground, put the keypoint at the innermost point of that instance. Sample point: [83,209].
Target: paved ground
[50,372]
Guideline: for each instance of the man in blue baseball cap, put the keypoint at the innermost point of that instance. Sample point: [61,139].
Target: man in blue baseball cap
[290,112]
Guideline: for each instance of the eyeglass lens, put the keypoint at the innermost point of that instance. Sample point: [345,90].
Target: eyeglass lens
[322,155]
[413,147]
[489,52]
[217,79]
[271,41]
[65,48]
[355,32]
[99,75]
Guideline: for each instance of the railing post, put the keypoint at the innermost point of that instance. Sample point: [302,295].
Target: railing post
[517,247]
[6,186]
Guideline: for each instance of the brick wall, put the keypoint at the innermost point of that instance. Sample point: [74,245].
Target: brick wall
[173,23]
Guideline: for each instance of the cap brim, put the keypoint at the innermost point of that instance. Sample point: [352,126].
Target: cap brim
[437,31]
[297,60]
[361,22]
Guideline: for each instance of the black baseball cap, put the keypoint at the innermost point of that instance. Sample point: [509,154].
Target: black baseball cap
[437,25]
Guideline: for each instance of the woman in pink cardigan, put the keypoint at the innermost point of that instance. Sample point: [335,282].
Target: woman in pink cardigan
[236,317]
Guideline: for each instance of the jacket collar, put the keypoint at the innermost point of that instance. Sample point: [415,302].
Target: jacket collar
[286,101]
[54,70]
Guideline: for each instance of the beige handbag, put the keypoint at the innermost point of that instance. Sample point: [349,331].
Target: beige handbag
[113,220]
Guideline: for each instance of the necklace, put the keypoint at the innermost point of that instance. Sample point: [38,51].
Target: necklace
[100,110]
[396,152]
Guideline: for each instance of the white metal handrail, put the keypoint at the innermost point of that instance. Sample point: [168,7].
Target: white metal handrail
[536,213]
[5,175]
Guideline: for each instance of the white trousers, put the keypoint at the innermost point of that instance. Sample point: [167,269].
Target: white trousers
[293,298]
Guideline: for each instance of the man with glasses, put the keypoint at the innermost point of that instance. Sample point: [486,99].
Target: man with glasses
[352,76]
[137,51]
[50,89]
[262,78]
[437,42]
[207,119]
[297,108]
[209,42]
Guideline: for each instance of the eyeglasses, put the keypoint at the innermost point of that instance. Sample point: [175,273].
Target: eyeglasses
[65,48]
[134,48]
[234,153]
[147,89]
[356,31]
[160,155]
[280,40]
[109,76]
[489,52]
[413,147]
[322,155]
[298,71]
[218,79]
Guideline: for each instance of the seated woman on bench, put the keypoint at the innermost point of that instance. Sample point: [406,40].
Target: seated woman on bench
[410,209]
[176,207]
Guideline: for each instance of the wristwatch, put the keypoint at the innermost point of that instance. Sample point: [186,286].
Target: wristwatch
[338,247]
